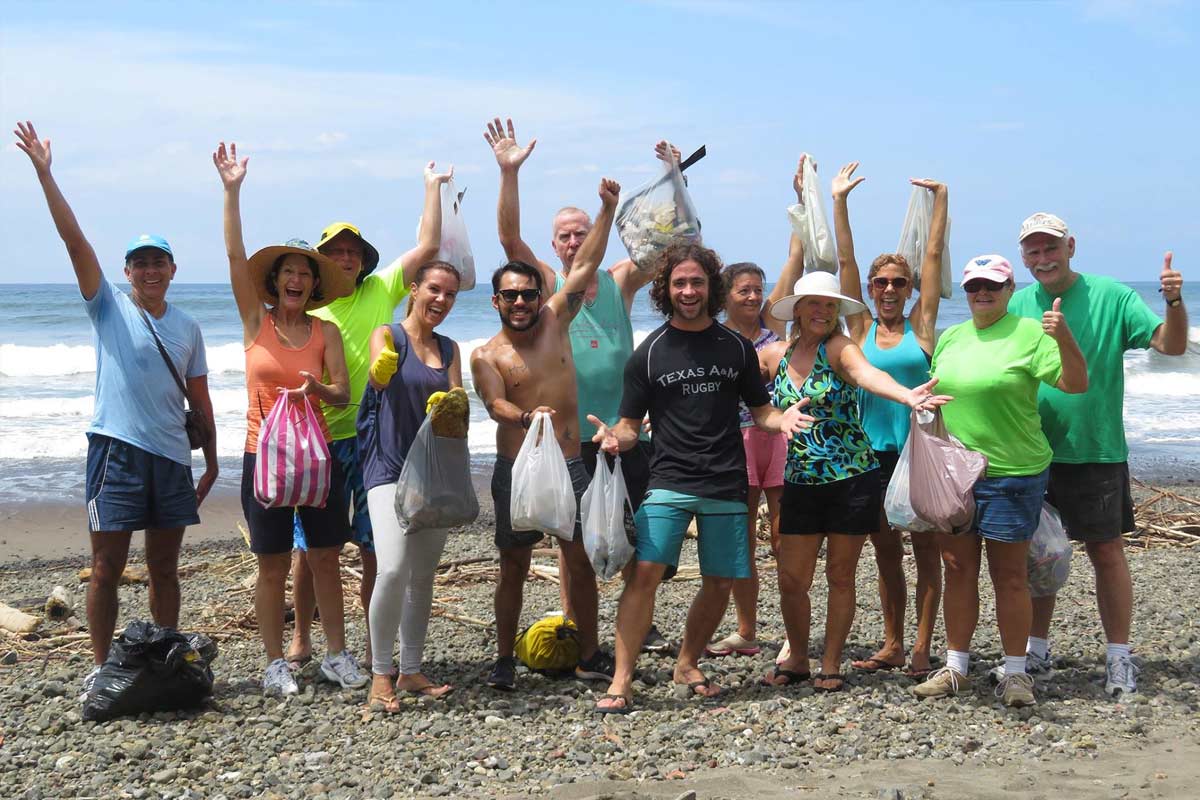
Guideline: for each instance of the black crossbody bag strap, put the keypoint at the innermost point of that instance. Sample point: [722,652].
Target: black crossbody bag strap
[166,358]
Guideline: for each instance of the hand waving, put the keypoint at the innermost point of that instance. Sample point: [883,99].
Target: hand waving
[844,182]
[37,150]
[1170,280]
[232,171]
[509,155]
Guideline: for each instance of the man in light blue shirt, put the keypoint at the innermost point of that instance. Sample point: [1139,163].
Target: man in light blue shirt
[139,473]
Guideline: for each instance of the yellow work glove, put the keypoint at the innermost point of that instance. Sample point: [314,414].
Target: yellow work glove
[433,400]
[385,365]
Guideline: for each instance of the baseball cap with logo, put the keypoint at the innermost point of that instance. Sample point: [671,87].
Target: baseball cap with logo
[990,268]
[1042,222]
[148,240]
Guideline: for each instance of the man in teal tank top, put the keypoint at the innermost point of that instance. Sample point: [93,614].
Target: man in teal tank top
[1089,474]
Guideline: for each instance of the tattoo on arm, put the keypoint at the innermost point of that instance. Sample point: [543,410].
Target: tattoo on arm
[574,302]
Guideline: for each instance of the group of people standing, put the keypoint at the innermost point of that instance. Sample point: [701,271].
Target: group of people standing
[813,420]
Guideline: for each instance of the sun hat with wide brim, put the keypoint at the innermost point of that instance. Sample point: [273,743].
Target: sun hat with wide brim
[335,282]
[820,284]
[370,254]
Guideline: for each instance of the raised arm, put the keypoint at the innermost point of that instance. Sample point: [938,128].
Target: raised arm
[628,277]
[509,157]
[792,269]
[851,281]
[924,314]
[1170,338]
[83,258]
[429,237]
[566,303]
[245,293]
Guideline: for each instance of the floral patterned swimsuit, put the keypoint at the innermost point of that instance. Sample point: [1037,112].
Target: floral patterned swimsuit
[835,447]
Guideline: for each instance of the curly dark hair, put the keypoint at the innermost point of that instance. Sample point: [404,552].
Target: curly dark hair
[673,256]
[273,277]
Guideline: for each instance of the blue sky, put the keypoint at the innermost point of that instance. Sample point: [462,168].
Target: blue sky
[1086,109]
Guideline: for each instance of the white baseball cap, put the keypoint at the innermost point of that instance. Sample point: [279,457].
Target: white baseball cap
[1041,222]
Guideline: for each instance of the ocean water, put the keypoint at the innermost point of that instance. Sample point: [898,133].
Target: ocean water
[47,365]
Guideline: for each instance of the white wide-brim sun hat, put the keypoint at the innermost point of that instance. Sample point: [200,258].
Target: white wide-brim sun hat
[820,284]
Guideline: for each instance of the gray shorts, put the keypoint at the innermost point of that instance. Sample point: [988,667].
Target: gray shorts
[506,537]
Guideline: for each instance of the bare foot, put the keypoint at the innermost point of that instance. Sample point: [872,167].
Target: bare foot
[418,684]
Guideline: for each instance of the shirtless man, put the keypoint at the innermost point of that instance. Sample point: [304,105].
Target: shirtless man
[527,368]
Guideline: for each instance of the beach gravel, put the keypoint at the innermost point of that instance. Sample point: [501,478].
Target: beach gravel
[324,744]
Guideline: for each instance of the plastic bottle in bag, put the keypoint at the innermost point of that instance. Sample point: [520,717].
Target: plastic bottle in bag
[914,237]
[543,498]
[654,216]
[1049,556]
[811,223]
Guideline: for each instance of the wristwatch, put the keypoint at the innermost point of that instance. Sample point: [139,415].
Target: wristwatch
[1178,301]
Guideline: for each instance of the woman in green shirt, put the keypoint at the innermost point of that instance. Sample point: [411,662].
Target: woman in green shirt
[992,366]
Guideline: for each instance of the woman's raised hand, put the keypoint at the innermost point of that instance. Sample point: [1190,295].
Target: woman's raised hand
[232,171]
[38,150]
[433,178]
[844,182]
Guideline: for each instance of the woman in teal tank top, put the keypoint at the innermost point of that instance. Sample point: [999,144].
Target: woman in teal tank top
[900,346]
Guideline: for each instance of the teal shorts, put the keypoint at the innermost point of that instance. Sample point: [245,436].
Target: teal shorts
[663,518]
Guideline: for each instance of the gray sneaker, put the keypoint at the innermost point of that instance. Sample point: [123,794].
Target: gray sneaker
[1034,665]
[1121,677]
[278,679]
[945,682]
[343,670]
[1016,690]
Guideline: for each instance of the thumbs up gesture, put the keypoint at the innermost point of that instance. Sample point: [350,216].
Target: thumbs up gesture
[1053,322]
[1170,280]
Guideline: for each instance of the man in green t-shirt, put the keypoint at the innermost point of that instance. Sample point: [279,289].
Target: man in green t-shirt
[373,303]
[1089,473]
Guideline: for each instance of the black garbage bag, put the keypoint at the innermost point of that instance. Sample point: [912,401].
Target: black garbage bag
[152,668]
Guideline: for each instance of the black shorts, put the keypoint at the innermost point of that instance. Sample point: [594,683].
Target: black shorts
[271,528]
[849,506]
[888,459]
[635,466]
[1093,500]
[506,537]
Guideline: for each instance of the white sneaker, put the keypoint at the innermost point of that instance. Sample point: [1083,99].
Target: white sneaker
[1034,665]
[278,679]
[1121,676]
[343,670]
[89,681]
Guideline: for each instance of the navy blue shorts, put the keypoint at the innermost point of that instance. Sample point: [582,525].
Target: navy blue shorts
[1008,509]
[130,489]
[271,528]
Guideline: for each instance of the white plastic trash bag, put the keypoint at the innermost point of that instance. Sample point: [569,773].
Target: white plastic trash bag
[897,503]
[811,224]
[606,514]
[542,496]
[455,248]
[1049,555]
[435,490]
[656,215]
[914,237]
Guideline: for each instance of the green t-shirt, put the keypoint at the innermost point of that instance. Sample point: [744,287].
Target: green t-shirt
[356,316]
[993,375]
[1107,318]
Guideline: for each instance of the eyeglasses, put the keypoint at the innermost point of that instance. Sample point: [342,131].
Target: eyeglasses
[978,284]
[511,295]
[882,283]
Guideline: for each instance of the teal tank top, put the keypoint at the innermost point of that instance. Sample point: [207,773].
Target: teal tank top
[886,421]
[601,343]
[835,447]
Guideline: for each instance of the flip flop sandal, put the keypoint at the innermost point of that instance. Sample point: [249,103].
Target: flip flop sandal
[917,674]
[829,676]
[297,663]
[873,664]
[384,704]
[791,677]
[691,693]
[430,690]
[625,707]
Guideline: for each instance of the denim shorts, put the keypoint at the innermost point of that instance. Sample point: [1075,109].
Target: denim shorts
[1007,509]
[131,489]
[663,519]
[345,452]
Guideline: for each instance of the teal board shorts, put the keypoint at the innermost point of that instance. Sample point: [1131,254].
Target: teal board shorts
[663,518]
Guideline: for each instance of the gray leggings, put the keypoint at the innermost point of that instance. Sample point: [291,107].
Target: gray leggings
[403,594]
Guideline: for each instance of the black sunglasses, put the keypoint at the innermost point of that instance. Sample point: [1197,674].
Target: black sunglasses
[882,283]
[973,286]
[511,295]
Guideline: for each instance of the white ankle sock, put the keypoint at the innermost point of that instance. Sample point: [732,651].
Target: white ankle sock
[1014,665]
[959,661]
[1039,647]
[1116,651]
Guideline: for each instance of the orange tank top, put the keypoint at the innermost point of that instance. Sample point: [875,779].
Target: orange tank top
[270,364]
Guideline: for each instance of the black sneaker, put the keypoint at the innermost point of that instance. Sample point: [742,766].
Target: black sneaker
[655,642]
[504,674]
[600,667]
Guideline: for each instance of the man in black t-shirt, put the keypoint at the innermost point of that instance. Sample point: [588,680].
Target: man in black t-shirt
[689,375]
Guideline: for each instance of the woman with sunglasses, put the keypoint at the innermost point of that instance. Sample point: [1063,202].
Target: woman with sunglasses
[900,345]
[993,365]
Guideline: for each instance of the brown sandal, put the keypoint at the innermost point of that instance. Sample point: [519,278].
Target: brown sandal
[384,704]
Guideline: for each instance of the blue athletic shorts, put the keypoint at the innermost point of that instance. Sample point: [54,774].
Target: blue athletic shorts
[1008,509]
[346,453]
[663,518]
[130,489]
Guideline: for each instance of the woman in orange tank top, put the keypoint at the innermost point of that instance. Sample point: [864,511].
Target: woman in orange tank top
[289,352]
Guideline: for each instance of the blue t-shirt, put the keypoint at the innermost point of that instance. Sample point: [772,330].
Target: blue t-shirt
[137,400]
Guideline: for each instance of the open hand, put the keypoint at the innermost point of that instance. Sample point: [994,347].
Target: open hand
[844,182]
[610,190]
[1170,280]
[665,151]
[922,397]
[231,171]
[308,387]
[37,150]
[928,183]
[795,420]
[508,154]
[604,436]
[435,178]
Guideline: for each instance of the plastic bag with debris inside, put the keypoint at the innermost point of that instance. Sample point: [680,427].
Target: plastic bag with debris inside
[658,214]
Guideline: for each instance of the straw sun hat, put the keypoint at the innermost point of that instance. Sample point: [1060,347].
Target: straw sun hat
[334,282]
[820,284]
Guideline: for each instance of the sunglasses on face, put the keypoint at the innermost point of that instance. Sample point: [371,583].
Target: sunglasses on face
[973,286]
[511,295]
[883,283]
